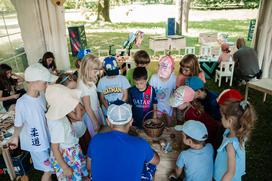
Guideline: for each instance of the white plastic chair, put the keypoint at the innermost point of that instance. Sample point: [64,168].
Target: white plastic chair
[133,51]
[130,64]
[226,70]
[205,51]
[189,50]
[103,52]
[119,51]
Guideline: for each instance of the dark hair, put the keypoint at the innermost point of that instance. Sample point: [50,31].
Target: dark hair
[190,61]
[44,62]
[65,78]
[4,80]
[140,73]
[194,140]
[141,57]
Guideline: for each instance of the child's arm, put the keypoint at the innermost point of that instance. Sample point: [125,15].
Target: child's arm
[103,100]
[67,171]
[231,163]
[77,113]
[14,96]
[125,95]
[13,141]
[89,167]
[156,158]
[178,172]
[89,110]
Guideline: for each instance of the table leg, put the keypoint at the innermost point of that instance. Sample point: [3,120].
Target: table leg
[8,162]
[264,98]
[246,94]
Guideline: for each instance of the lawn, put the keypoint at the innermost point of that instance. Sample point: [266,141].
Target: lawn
[259,147]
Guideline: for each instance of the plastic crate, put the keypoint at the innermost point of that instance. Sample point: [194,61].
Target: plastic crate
[21,160]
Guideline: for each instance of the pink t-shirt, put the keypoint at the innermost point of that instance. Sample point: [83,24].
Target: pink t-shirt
[181,78]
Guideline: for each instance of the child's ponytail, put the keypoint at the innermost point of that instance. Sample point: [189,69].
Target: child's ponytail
[245,116]
[246,121]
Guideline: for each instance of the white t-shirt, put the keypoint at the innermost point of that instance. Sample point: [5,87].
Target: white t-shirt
[112,88]
[61,132]
[89,90]
[163,90]
[30,115]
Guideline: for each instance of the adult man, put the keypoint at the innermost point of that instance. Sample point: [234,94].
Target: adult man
[246,62]
[116,155]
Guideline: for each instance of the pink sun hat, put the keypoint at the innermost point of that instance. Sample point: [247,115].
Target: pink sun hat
[166,66]
[181,95]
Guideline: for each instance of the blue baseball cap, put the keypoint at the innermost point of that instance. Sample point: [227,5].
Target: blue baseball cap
[81,53]
[110,66]
[194,129]
[194,82]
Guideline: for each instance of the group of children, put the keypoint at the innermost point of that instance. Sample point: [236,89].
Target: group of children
[57,134]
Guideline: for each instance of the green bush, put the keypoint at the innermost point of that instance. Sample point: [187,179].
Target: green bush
[225,4]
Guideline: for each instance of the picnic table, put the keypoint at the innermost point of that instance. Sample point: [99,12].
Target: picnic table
[167,160]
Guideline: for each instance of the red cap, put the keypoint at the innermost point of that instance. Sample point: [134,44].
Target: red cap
[229,95]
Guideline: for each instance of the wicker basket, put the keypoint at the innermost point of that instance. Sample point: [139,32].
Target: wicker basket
[153,127]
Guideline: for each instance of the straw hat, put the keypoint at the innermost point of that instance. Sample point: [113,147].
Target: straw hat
[61,101]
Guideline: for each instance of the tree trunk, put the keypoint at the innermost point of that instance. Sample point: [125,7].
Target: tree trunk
[103,10]
[179,6]
[185,15]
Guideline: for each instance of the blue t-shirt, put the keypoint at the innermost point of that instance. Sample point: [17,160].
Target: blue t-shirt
[112,88]
[197,164]
[142,102]
[117,156]
[221,161]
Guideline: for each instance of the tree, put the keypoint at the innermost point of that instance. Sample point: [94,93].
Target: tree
[103,10]
[185,15]
[179,5]
[183,7]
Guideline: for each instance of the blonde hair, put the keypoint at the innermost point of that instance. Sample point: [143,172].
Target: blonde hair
[190,61]
[89,63]
[245,117]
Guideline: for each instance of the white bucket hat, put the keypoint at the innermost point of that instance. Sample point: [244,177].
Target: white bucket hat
[61,101]
[37,71]
[119,114]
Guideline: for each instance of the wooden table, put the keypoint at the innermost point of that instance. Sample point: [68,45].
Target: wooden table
[167,160]
[262,85]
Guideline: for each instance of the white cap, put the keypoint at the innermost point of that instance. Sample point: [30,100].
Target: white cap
[37,71]
[119,114]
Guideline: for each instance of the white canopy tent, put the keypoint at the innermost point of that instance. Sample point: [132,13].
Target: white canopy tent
[43,29]
[263,38]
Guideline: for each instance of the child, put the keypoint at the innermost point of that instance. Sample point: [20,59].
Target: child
[142,97]
[225,56]
[48,61]
[189,67]
[184,99]
[112,86]
[141,59]
[81,53]
[206,97]
[9,93]
[66,157]
[164,83]
[197,161]
[78,115]
[238,118]
[30,122]
[88,75]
